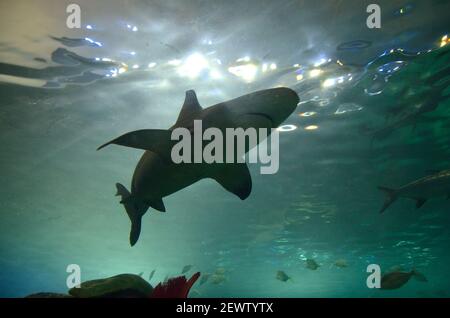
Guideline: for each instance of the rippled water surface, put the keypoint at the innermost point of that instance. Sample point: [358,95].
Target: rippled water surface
[374,111]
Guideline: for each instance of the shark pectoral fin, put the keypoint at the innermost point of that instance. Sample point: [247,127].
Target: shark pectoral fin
[158,205]
[135,230]
[155,140]
[235,178]
[420,203]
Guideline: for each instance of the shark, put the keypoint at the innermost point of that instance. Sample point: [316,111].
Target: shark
[157,176]
[411,109]
[436,184]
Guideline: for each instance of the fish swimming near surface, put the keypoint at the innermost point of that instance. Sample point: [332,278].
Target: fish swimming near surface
[282,276]
[405,115]
[341,263]
[186,269]
[157,176]
[421,190]
[395,280]
[311,264]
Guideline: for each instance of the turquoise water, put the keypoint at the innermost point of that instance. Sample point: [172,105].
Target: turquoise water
[373,112]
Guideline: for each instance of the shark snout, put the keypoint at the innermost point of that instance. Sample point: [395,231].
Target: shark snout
[279,103]
[287,95]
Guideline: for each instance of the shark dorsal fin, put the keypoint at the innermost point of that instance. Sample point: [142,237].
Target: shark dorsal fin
[191,107]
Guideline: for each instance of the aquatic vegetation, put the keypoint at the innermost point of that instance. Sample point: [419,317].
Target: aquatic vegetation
[122,285]
[177,287]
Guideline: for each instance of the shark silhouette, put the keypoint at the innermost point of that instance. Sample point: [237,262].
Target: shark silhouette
[157,176]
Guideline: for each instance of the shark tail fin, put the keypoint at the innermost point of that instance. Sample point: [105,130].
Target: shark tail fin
[134,210]
[391,197]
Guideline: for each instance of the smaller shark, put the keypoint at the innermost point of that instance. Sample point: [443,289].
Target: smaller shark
[421,190]
[406,115]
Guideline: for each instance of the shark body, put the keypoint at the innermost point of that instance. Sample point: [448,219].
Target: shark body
[157,176]
[421,190]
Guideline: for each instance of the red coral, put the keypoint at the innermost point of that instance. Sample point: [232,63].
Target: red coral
[177,287]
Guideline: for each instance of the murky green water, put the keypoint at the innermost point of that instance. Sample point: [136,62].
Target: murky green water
[374,111]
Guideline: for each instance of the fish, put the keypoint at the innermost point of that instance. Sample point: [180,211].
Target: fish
[421,190]
[151,275]
[220,271]
[395,280]
[282,276]
[311,264]
[342,263]
[217,279]
[157,176]
[425,102]
[186,269]
[204,279]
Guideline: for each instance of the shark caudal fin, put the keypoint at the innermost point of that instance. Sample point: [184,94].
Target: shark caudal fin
[135,210]
[391,197]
